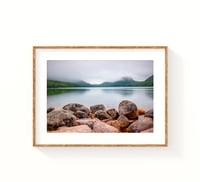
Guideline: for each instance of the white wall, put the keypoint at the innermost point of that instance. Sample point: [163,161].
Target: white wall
[124,22]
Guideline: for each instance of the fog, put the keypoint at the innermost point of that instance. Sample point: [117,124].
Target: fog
[98,71]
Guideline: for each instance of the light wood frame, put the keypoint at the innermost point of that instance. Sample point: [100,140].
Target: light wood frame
[35,144]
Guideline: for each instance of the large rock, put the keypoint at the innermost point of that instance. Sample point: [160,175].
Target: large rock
[50,109]
[74,129]
[149,113]
[114,123]
[81,114]
[128,109]
[123,121]
[80,111]
[101,127]
[141,125]
[84,109]
[89,122]
[73,107]
[150,130]
[59,118]
[98,107]
[113,113]
[76,107]
[100,114]
[141,111]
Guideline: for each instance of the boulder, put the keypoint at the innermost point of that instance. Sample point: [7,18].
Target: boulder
[98,107]
[59,118]
[149,113]
[91,115]
[50,109]
[69,119]
[101,127]
[100,114]
[74,129]
[141,111]
[150,130]
[65,111]
[81,114]
[76,107]
[128,109]
[124,130]
[88,121]
[123,121]
[113,113]
[131,121]
[73,107]
[114,123]
[141,125]
[84,109]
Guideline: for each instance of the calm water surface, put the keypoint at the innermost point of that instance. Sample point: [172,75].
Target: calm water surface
[109,96]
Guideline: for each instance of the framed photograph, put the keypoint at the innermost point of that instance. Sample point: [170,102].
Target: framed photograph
[100,96]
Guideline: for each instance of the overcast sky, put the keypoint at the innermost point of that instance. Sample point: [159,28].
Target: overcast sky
[98,71]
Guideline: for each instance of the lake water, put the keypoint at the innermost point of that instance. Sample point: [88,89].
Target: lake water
[109,96]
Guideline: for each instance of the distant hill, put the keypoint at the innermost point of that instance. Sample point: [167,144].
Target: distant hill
[149,79]
[57,84]
[128,82]
[124,82]
[83,84]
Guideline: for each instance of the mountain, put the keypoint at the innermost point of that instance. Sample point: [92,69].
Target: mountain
[83,84]
[124,82]
[57,84]
[128,82]
[149,79]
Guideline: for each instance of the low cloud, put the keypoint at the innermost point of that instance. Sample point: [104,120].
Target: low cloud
[97,71]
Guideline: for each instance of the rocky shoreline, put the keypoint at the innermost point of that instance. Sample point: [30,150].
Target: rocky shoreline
[77,118]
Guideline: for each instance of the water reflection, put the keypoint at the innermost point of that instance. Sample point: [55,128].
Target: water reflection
[149,93]
[130,91]
[123,92]
[65,91]
[109,96]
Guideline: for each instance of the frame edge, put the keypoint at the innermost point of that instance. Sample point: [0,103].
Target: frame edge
[166,95]
[34,95]
[99,47]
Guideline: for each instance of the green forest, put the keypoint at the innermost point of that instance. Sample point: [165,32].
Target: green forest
[124,82]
